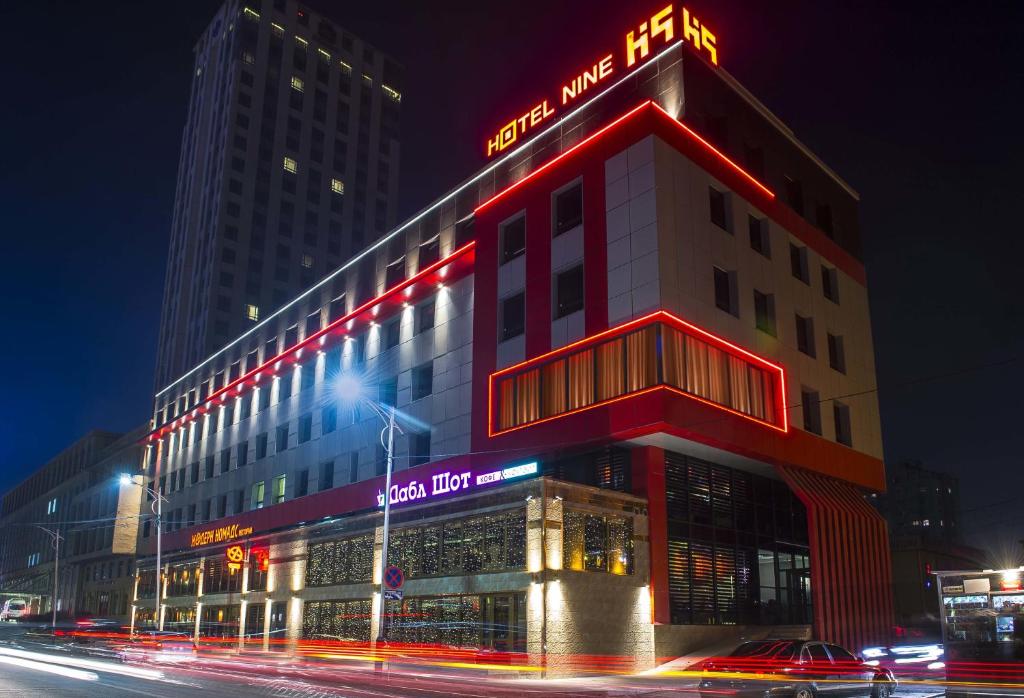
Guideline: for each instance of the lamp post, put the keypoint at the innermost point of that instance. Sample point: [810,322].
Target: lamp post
[55,538]
[351,389]
[157,507]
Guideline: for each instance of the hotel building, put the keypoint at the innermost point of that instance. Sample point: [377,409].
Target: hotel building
[656,433]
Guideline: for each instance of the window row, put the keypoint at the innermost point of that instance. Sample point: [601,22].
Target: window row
[654,355]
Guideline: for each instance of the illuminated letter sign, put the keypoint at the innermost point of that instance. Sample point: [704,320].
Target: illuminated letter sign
[659,30]
[235,555]
[447,483]
[218,535]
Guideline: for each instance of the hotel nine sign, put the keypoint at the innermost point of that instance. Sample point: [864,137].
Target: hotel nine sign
[450,482]
[662,28]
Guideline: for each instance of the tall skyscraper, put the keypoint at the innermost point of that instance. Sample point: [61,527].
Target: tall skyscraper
[289,163]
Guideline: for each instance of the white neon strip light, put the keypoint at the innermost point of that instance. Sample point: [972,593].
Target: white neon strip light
[50,669]
[135,672]
[452,194]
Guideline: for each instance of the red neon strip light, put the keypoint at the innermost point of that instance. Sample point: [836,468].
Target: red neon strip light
[659,315]
[604,129]
[722,156]
[322,332]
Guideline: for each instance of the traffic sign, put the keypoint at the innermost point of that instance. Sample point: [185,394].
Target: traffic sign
[394,578]
[393,594]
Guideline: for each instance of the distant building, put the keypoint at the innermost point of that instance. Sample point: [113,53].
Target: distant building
[922,508]
[79,495]
[289,164]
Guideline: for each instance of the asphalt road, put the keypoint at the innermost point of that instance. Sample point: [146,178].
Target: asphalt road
[34,667]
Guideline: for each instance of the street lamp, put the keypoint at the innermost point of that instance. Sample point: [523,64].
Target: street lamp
[55,538]
[157,506]
[350,388]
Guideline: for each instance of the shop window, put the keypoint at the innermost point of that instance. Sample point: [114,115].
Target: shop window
[597,543]
[465,546]
[330,620]
[220,621]
[491,622]
[348,561]
[218,578]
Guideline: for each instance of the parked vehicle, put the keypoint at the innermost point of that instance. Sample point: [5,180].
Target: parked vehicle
[14,609]
[797,668]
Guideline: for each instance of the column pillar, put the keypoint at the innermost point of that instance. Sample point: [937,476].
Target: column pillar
[648,471]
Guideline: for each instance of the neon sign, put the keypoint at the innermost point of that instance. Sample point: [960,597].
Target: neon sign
[218,535]
[448,483]
[235,555]
[662,28]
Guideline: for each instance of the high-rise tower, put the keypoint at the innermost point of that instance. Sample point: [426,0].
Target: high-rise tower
[289,163]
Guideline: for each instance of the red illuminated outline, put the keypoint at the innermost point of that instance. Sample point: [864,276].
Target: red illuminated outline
[604,129]
[293,353]
[657,316]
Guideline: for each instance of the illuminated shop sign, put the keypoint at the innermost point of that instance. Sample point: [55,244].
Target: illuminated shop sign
[662,28]
[448,483]
[219,535]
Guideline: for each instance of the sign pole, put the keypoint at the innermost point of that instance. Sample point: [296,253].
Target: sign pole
[387,522]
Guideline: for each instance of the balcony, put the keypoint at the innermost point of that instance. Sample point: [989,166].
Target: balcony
[655,352]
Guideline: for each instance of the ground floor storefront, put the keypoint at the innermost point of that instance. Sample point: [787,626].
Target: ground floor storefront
[547,568]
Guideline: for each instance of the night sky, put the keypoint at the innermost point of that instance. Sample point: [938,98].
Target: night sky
[917,106]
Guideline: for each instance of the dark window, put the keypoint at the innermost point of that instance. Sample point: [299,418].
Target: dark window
[569,291]
[513,316]
[329,419]
[753,156]
[719,208]
[387,392]
[281,443]
[764,312]
[239,501]
[243,454]
[811,405]
[836,353]
[824,218]
[569,209]
[225,460]
[392,334]
[464,231]
[725,291]
[209,463]
[419,448]
[302,483]
[795,195]
[337,309]
[222,506]
[430,252]
[326,475]
[353,466]
[798,263]
[423,380]
[841,414]
[261,446]
[759,240]
[395,273]
[425,316]
[830,283]
[513,239]
[312,323]
[305,428]
[805,335]
[193,473]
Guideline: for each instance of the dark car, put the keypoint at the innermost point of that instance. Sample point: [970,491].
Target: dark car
[797,668]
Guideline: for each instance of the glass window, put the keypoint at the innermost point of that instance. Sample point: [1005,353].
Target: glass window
[513,316]
[759,239]
[764,312]
[719,208]
[277,489]
[569,208]
[569,291]
[600,543]
[513,239]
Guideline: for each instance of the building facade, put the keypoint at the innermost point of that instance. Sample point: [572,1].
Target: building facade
[289,165]
[922,508]
[78,495]
[619,356]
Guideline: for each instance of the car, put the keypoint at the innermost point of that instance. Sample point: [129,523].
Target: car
[14,609]
[796,668]
[157,644]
